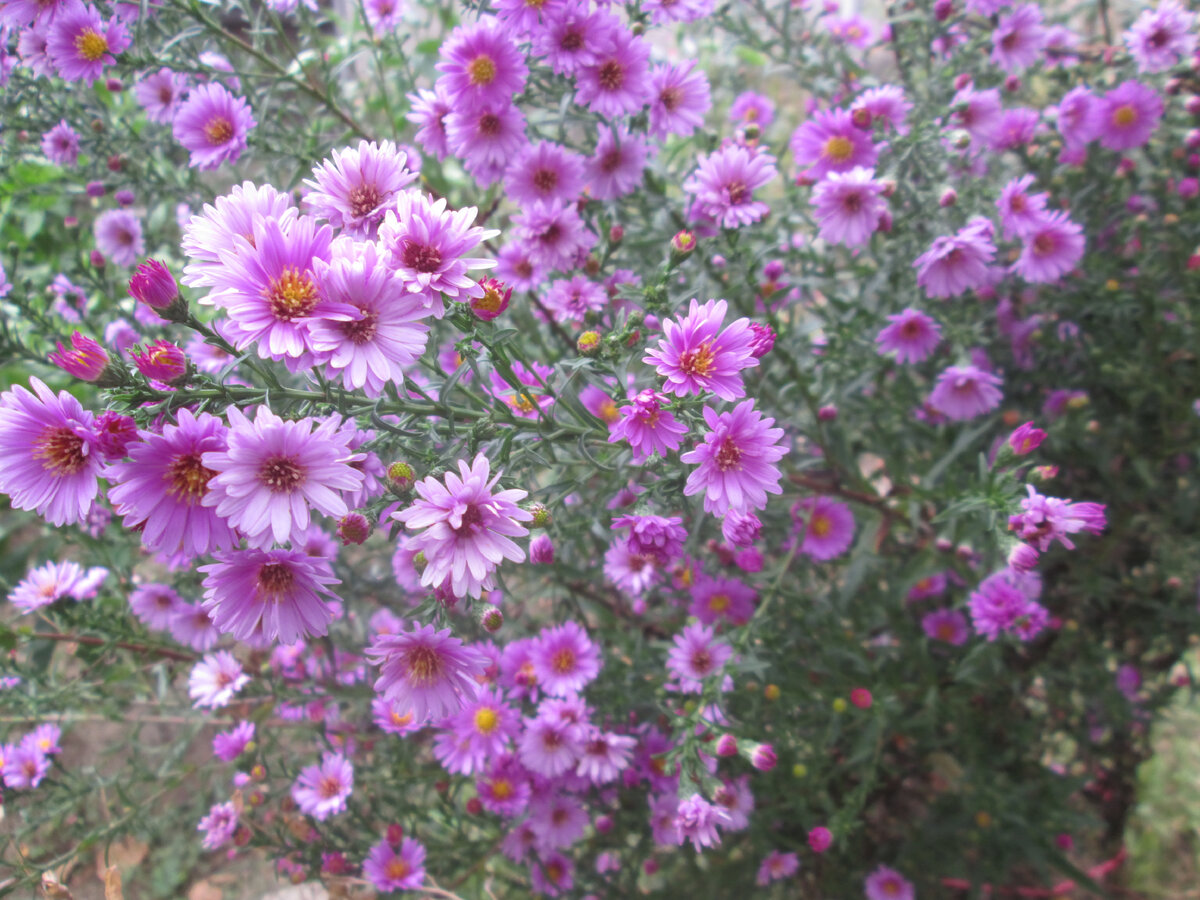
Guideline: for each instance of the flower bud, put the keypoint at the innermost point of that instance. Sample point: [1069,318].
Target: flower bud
[616,234]
[772,692]
[401,477]
[353,528]
[763,757]
[115,163]
[942,9]
[95,189]
[86,359]
[1023,558]
[1193,105]
[861,118]
[494,300]
[419,561]
[490,619]
[541,550]
[394,834]
[124,197]
[114,85]
[726,745]
[861,698]
[827,413]
[949,198]
[682,246]
[96,258]
[474,806]
[763,341]
[541,515]
[820,839]
[588,343]
[1026,439]
[1012,84]
[604,824]
[153,284]
[161,361]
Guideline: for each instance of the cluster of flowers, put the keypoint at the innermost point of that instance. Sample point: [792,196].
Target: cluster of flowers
[24,764]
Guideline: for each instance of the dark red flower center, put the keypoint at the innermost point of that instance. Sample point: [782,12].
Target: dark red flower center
[421,257]
[60,450]
[545,180]
[275,580]
[362,330]
[364,199]
[281,474]
[729,456]
[611,75]
[670,98]
[738,192]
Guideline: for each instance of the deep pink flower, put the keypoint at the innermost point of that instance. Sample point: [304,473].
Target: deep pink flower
[390,868]
[61,144]
[80,43]
[160,361]
[957,263]
[322,790]
[831,142]
[273,472]
[227,226]
[1052,248]
[848,205]
[964,392]
[912,335]
[574,37]
[888,884]
[1044,520]
[647,427]
[1018,39]
[722,600]
[544,171]
[355,187]
[736,461]
[680,97]
[617,166]
[618,82]
[565,660]
[1159,39]
[213,126]
[777,865]
[1128,115]
[697,655]
[481,66]
[86,359]
[425,672]
[696,355]
[946,625]
[1026,439]
[281,595]
[826,526]
[724,183]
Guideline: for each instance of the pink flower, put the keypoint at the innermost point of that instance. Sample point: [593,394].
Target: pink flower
[81,44]
[565,660]
[777,866]
[697,655]
[888,884]
[426,672]
[618,83]
[390,869]
[736,461]
[322,790]
[481,66]
[1018,40]
[215,679]
[912,335]
[724,183]
[1128,115]
[964,392]
[696,355]
[647,427]
[831,142]
[1052,248]
[1026,439]
[946,625]
[1160,38]
[827,527]
[467,529]
[848,206]
[957,263]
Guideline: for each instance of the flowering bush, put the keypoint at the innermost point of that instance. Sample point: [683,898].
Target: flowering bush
[545,447]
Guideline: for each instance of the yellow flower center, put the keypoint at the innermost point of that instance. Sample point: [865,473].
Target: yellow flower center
[563,661]
[719,603]
[699,361]
[396,869]
[292,296]
[839,149]
[481,71]
[1124,116]
[218,130]
[486,720]
[91,44]
[821,526]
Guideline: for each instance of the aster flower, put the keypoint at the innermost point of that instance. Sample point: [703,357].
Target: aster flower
[550,746]
[848,206]
[389,716]
[696,820]
[466,528]
[516,268]
[1015,129]
[322,790]
[978,112]
[926,587]
[355,187]
[528,398]
[722,600]
[911,334]
[227,226]
[574,37]
[24,766]
[551,874]
[544,171]
[486,140]
[617,83]
[946,625]
[888,884]
[118,234]
[426,246]
[696,355]
[160,94]
[279,594]
[735,463]
[525,16]
[273,471]
[831,142]
[52,581]
[218,826]
[390,868]
[1078,117]
[886,103]
[999,606]
[552,234]
[633,573]
[750,108]
[384,16]
[957,263]
[503,787]
[1052,248]
[47,458]
[557,820]
[663,12]
[268,288]
[565,660]
[229,745]
[647,427]
[477,733]
[1020,211]
[964,392]
[213,125]
[159,490]
[428,112]
[61,144]
[481,66]
[570,300]
[1159,39]
[1128,115]
[776,866]
[617,166]
[374,349]
[155,605]
[1019,37]
[425,672]
[679,98]
[80,43]
[724,182]
[161,362]
[697,655]
[86,360]
[1044,520]
[826,526]
[652,535]
[215,679]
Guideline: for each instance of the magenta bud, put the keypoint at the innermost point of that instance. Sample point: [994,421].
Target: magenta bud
[763,757]
[95,189]
[1012,84]
[124,197]
[604,824]
[353,528]
[1023,558]
[827,413]
[491,619]
[949,197]
[541,550]
[820,839]
[153,284]
[942,9]
[1192,105]
[727,745]
[394,834]
[114,85]
[96,258]
[763,341]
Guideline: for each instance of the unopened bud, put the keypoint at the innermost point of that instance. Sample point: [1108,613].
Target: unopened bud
[401,477]
[588,343]
[353,528]
[763,757]
[616,234]
[541,550]
[682,246]
[491,619]
[726,745]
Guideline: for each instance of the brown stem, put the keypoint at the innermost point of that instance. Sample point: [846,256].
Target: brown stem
[167,652]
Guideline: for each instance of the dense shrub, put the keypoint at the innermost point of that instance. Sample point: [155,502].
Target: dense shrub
[582,449]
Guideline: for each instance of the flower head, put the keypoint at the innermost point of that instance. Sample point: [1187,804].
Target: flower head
[964,392]
[946,625]
[481,66]
[213,126]
[1018,40]
[826,526]
[1053,247]
[696,355]
[912,335]
[831,142]
[565,660]
[957,263]
[355,187]
[1127,115]
[724,183]
[735,464]
[80,43]
[61,144]
[118,235]
[215,679]
[1160,38]
[888,884]
[322,790]
[425,672]
[848,206]
[697,655]
[390,868]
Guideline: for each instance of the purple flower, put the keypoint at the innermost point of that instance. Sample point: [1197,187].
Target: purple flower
[736,461]
[503,787]
[680,96]
[618,82]
[1078,117]
[81,44]
[911,334]
[481,66]
[741,529]
[273,471]
[570,300]
[525,16]
[153,284]
[391,868]
[1127,116]
[544,171]
[553,235]
[160,94]
[886,103]
[957,263]
[227,226]
[1020,212]
[946,625]
[51,582]
[427,673]
[550,744]
[697,655]
[1052,248]
[888,884]
[213,125]
[653,535]
[724,183]
[1018,39]
[964,392]
[384,16]
[831,142]
[322,790]
[978,112]
[215,679]
[827,527]
[118,235]
[218,826]
[565,660]
[487,139]
[355,187]
[848,206]
[160,489]
[368,352]
[749,108]
[696,356]
[663,12]
[722,600]
[1160,38]
[1000,606]
[155,605]
[574,37]
[616,167]
[647,427]
[229,745]
[47,463]
[1044,520]
[86,360]
[428,113]
[477,733]
[696,820]
[61,144]
[426,245]
[777,865]
[281,595]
